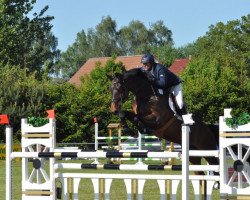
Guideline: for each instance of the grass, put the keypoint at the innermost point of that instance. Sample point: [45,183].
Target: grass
[86,191]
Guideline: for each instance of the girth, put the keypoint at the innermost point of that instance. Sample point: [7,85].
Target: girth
[160,131]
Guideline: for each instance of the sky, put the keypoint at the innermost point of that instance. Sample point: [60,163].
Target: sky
[187,19]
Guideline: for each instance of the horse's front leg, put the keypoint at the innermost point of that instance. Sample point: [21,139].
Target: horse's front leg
[124,116]
[133,118]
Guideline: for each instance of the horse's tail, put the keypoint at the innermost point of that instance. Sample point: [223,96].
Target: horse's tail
[215,130]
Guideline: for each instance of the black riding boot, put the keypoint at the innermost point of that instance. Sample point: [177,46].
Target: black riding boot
[183,111]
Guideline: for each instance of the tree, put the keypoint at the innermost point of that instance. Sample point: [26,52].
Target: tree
[137,39]
[21,95]
[98,42]
[166,54]
[95,100]
[105,41]
[162,36]
[77,106]
[64,99]
[104,38]
[218,76]
[75,56]
[24,41]
[134,38]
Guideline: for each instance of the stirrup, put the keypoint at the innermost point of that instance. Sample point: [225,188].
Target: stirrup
[178,117]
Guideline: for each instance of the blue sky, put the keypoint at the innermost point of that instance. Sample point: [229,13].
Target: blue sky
[187,19]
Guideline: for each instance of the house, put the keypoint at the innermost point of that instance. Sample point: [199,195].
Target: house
[130,62]
[179,65]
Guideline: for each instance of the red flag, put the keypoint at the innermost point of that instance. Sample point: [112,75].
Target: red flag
[4,119]
[51,114]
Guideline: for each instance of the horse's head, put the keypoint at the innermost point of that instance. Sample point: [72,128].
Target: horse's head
[119,92]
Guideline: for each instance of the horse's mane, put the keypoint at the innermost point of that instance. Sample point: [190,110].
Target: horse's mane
[134,73]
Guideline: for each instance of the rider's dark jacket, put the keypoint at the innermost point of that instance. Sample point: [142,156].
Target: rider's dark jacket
[163,78]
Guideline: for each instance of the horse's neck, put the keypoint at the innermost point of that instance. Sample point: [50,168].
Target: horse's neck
[143,92]
[144,96]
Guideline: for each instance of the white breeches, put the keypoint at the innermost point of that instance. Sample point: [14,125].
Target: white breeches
[177,92]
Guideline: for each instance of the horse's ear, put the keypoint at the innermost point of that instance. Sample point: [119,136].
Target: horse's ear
[118,75]
[123,69]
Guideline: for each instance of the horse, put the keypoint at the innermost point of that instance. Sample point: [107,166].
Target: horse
[152,111]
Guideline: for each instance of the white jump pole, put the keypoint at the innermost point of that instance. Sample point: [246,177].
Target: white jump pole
[8,163]
[139,147]
[185,162]
[96,138]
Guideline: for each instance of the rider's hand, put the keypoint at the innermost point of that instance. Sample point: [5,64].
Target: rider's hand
[150,76]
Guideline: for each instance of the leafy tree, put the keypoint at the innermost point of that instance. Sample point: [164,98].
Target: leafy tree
[20,95]
[161,34]
[26,41]
[166,54]
[98,42]
[218,76]
[64,99]
[75,56]
[134,38]
[186,51]
[95,97]
[137,39]
[76,107]
[105,41]
[104,38]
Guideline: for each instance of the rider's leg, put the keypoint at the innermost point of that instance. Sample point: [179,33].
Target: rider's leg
[178,97]
[182,110]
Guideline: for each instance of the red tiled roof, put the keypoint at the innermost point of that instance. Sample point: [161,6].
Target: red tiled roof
[129,62]
[179,65]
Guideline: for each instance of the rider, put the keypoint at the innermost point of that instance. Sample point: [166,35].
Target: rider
[164,80]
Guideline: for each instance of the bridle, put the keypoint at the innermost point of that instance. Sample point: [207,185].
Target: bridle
[122,93]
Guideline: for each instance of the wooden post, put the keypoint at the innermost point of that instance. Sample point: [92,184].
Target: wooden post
[117,126]
[101,188]
[171,148]
[134,189]
[168,189]
[70,188]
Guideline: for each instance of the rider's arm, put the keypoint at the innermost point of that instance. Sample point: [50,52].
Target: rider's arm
[161,81]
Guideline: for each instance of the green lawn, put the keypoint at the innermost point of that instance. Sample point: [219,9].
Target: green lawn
[118,191]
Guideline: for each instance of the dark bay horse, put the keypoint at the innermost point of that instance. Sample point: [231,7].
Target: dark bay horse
[154,113]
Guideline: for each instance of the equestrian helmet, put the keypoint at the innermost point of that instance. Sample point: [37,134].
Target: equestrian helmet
[147,58]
